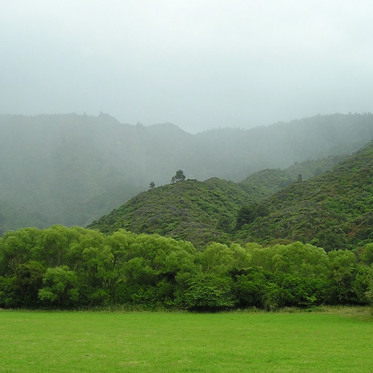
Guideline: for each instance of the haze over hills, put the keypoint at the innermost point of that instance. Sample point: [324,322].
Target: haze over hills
[71,169]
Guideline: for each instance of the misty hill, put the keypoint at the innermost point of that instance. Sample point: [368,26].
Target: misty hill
[190,210]
[206,211]
[333,210]
[265,183]
[71,169]
[17,216]
[238,153]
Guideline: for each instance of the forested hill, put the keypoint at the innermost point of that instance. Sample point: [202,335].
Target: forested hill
[207,211]
[333,210]
[265,183]
[191,210]
[71,169]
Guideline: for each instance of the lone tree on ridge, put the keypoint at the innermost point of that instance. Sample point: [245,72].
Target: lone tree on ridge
[179,176]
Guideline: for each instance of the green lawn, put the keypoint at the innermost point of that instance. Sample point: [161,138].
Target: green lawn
[185,342]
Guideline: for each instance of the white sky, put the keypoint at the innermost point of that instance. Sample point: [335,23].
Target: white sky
[199,64]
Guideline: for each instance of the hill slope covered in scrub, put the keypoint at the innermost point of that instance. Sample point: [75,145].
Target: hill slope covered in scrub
[202,212]
[333,210]
[263,184]
[190,210]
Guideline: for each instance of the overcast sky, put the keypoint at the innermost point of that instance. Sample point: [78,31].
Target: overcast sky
[200,64]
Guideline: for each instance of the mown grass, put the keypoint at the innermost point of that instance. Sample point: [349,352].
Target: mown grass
[332,341]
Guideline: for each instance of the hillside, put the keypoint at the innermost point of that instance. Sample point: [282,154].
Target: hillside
[202,211]
[265,183]
[191,210]
[333,210]
[236,154]
[71,169]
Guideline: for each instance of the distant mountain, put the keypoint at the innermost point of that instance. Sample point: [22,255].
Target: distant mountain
[190,210]
[54,165]
[70,169]
[13,216]
[234,154]
[333,210]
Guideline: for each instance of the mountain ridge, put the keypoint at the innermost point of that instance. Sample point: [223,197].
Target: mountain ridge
[58,166]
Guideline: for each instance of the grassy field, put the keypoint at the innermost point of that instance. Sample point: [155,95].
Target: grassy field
[331,341]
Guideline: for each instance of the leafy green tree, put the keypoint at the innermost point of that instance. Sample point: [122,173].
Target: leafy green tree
[366,254]
[249,286]
[86,238]
[361,283]
[301,260]
[54,244]
[28,281]
[272,297]
[179,176]
[7,292]
[217,258]
[369,292]
[342,273]
[149,269]
[242,258]
[299,291]
[60,287]
[98,275]
[18,247]
[299,274]
[139,283]
[209,292]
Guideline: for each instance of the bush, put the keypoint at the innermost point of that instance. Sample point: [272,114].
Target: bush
[209,293]
[249,288]
[7,295]
[60,287]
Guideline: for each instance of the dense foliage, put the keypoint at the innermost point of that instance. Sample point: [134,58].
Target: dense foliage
[199,212]
[265,183]
[74,267]
[333,210]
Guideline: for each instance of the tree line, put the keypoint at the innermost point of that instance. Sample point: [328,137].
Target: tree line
[74,267]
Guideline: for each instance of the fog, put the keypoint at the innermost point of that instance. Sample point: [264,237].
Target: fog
[199,64]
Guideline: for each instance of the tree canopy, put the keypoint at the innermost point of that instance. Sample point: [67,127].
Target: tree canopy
[74,267]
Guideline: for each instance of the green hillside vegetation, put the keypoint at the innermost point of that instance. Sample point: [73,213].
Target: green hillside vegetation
[199,212]
[71,169]
[203,212]
[333,210]
[314,167]
[265,183]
